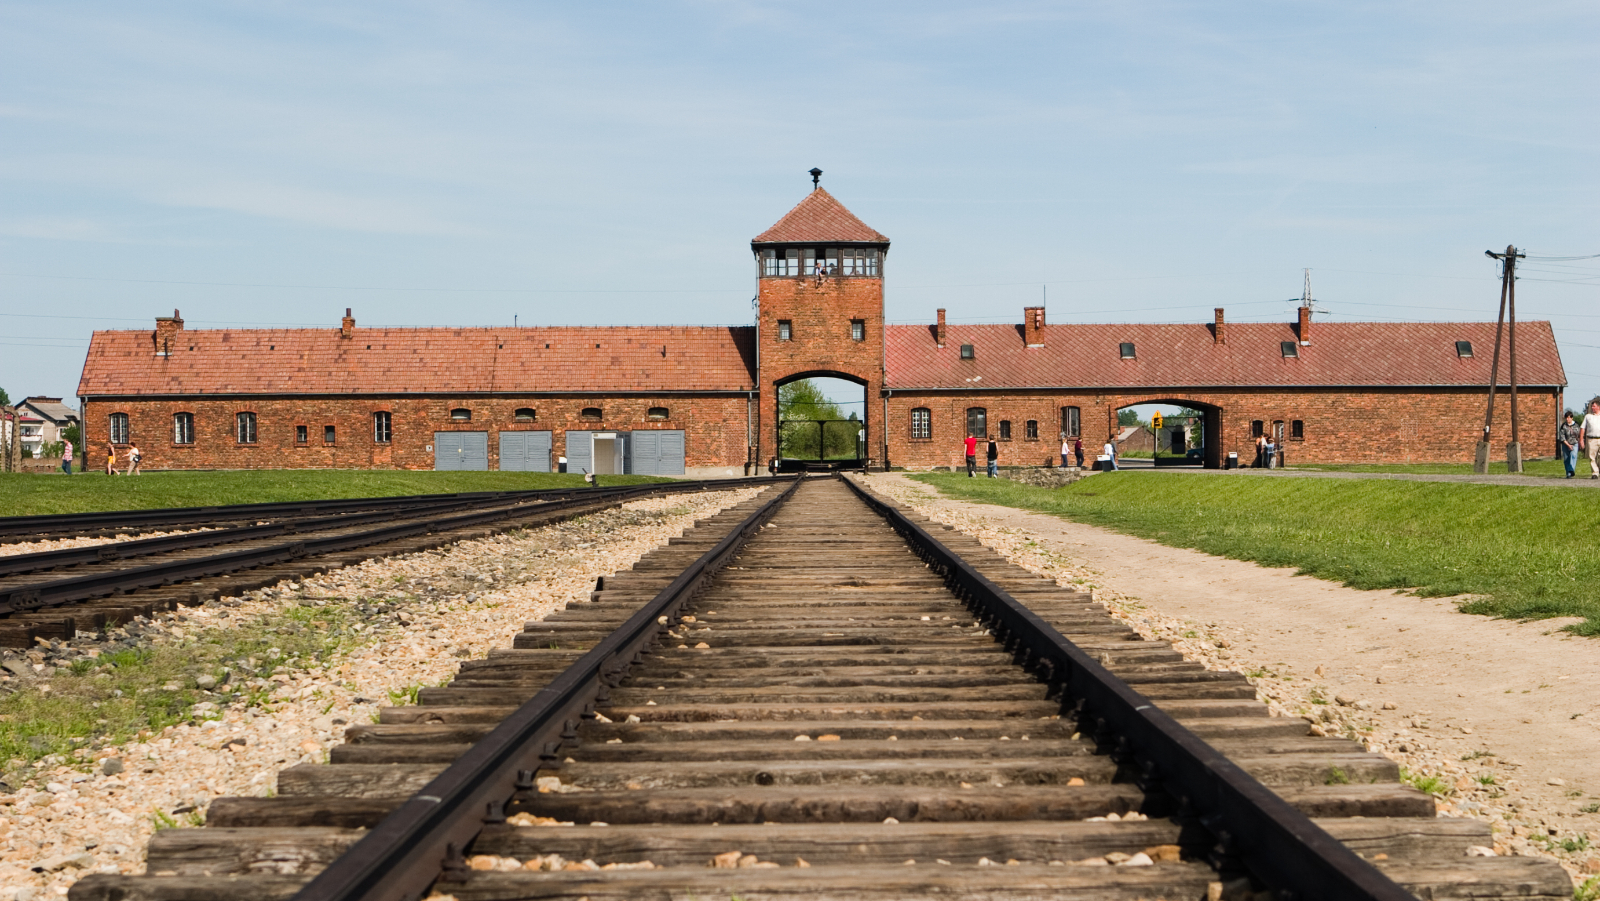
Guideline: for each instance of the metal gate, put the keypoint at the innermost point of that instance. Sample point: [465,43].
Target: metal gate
[656,452]
[822,440]
[460,450]
[524,451]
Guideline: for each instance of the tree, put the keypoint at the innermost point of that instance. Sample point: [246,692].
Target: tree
[802,403]
[804,400]
[1128,417]
[5,399]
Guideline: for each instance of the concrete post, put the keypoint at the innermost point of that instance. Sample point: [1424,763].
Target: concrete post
[1480,459]
[1514,457]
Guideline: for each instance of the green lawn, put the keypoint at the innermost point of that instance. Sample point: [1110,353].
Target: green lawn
[1549,469]
[1525,552]
[26,494]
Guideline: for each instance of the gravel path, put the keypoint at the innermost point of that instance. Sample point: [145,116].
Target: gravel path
[419,615]
[1498,713]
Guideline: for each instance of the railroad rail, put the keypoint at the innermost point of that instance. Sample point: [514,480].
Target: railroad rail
[53,594]
[818,695]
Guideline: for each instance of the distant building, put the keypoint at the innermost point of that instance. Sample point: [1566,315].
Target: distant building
[53,417]
[702,401]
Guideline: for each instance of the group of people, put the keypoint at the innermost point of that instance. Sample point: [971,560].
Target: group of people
[1266,452]
[1572,436]
[133,460]
[1071,449]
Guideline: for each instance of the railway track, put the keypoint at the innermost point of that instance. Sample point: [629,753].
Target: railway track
[54,594]
[816,695]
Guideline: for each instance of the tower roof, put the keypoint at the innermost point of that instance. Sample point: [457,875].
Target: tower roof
[820,219]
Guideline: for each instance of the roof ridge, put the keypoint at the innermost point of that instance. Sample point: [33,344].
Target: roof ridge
[820,217]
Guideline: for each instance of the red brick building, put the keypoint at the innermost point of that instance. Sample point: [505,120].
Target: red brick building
[702,401]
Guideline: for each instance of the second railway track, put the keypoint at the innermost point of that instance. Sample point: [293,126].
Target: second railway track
[834,700]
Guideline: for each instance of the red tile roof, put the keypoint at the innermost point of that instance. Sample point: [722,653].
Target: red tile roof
[1353,354]
[422,360]
[817,219]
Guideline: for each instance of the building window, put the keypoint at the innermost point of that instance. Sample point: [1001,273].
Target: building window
[1126,350]
[119,428]
[526,414]
[594,413]
[859,261]
[1297,429]
[785,330]
[327,434]
[1257,428]
[921,424]
[382,427]
[1464,349]
[977,422]
[302,434]
[245,424]
[1031,430]
[461,414]
[1071,422]
[658,413]
[820,261]
[1005,430]
[966,352]
[780,263]
[858,330]
[183,428]
[1289,348]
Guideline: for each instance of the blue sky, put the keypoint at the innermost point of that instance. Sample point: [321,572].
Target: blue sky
[467,163]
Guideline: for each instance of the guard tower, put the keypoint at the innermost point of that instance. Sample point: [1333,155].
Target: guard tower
[820,277]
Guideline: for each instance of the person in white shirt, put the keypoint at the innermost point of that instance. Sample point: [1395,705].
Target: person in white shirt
[1111,452]
[1590,436]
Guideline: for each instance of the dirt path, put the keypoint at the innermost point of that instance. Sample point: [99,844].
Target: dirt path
[1472,699]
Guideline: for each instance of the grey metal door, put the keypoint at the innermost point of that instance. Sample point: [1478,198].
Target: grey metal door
[656,452]
[580,445]
[460,450]
[524,451]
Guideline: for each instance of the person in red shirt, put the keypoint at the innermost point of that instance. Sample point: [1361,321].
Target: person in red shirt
[972,456]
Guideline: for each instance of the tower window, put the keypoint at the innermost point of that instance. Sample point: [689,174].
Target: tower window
[245,424]
[785,330]
[921,424]
[461,414]
[858,330]
[526,414]
[780,263]
[1126,350]
[183,428]
[119,428]
[382,427]
[859,261]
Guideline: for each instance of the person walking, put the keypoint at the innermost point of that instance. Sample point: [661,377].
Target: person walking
[111,459]
[1590,434]
[1066,451]
[972,456]
[133,459]
[66,457]
[1077,450]
[1567,441]
[1111,451]
[994,457]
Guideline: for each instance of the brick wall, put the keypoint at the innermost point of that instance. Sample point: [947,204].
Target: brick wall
[714,428]
[820,311]
[1383,425]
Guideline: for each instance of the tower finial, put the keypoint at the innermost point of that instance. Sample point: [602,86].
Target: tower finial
[816,178]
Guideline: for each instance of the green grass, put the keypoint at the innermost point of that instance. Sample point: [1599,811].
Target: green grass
[1523,552]
[1546,469]
[27,494]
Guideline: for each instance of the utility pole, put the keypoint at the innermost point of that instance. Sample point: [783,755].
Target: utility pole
[1508,301]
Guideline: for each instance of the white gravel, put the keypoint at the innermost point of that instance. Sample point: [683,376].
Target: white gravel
[440,606]
[56,544]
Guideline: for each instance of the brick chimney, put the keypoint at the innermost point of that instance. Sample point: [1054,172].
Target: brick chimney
[1033,325]
[1217,334]
[167,328]
[1305,325]
[348,326]
[938,331]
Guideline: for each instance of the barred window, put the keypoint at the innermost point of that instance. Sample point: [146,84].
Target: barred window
[119,428]
[921,424]
[246,423]
[1031,430]
[183,428]
[858,330]
[327,434]
[785,330]
[1297,429]
[302,434]
[382,427]
[1005,430]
